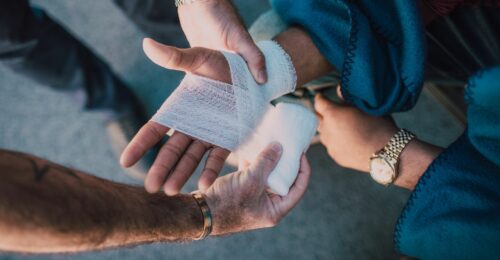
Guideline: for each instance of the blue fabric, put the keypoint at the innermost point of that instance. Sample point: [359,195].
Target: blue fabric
[454,211]
[376,45]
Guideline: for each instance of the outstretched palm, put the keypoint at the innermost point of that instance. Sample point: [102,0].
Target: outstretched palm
[181,154]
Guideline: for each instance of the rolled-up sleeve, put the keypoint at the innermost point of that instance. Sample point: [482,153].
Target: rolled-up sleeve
[377,46]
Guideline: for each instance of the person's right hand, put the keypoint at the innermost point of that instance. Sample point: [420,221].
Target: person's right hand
[240,201]
[181,154]
[350,135]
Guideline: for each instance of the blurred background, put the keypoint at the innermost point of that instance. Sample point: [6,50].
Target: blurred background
[344,215]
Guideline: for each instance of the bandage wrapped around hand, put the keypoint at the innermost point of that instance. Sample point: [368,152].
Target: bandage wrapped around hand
[239,116]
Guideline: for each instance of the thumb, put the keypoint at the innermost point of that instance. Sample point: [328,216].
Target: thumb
[266,161]
[323,105]
[200,61]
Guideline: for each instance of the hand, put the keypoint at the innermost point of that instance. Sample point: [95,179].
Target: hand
[350,135]
[181,154]
[215,24]
[240,201]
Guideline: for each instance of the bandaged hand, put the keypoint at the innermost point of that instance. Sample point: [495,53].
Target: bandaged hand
[181,154]
[234,114]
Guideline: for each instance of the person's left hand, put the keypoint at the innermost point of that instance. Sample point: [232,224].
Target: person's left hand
[350,135]
[240,201]
[181,154]
[215,24]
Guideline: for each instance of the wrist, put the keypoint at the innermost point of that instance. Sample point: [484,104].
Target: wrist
[206,214]
[414,161]
[213,201]
[310,66]
[379,139]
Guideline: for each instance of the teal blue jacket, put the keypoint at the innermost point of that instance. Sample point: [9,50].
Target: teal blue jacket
[378,46]
[454,211]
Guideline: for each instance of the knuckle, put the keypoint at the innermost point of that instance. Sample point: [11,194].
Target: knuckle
[202,143]
[153,131]
[194,159]
[269,158]
[175,58]
[204,56]
[217,158]
[173,149]
[160,168]
[212,172]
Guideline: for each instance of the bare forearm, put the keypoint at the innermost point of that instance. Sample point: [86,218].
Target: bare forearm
[309,63]
[414,161]
[45,207]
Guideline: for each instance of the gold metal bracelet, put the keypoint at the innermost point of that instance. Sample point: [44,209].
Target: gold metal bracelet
[207,215]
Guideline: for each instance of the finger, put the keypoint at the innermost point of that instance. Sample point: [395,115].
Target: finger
[200,61]
[254,58]
[185,167]
[165,161]
[170,57]
[149,135]
[322,105]
[299,188]
[339,93]
[215,161]
[265,162]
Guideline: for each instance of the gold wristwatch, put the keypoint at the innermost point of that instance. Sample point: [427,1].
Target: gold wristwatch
[384,163]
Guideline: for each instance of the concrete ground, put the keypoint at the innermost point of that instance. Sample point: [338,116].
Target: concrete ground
[344,214]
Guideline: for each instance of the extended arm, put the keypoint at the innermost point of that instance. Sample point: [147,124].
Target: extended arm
[45,207]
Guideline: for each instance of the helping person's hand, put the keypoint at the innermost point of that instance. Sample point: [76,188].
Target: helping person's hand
[350,135]
[240,201]
[215,24]
[181,154]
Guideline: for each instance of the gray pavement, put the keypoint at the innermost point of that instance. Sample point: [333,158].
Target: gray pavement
[344,214]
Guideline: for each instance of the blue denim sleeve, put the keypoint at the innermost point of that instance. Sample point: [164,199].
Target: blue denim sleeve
[376,45]
[454,211]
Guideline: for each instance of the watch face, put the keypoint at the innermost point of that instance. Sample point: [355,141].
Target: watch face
[381,171]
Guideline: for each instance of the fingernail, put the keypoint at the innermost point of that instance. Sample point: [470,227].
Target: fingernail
[276,147]
[262,76]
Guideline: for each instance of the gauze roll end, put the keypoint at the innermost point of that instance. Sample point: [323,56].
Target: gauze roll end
[293,126]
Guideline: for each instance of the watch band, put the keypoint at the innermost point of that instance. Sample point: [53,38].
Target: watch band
[397,143]
[185,2]
[207,215]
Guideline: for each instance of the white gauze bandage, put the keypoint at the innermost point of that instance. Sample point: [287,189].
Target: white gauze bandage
[239,116]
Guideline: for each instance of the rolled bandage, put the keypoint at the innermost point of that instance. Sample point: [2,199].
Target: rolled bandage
[230,115]
[293,126]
